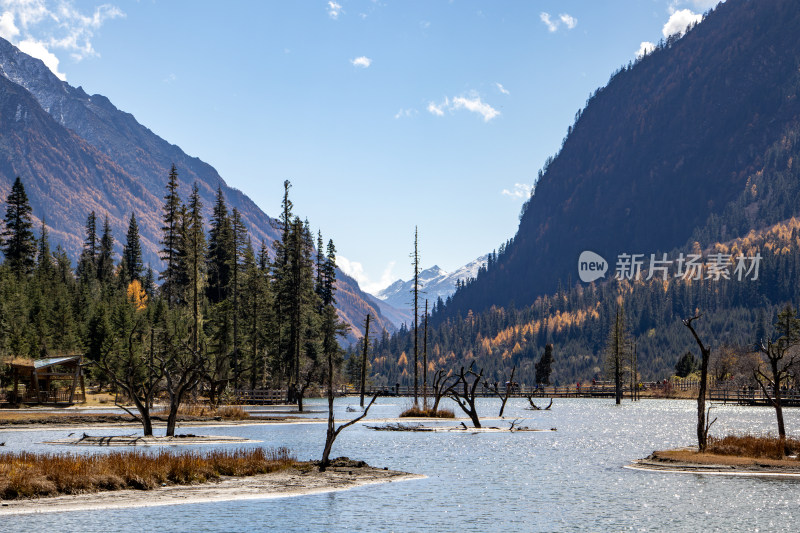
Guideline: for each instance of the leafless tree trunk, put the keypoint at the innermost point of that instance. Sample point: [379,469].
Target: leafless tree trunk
[364,362]
[132,373]
[537,408]
[333,431]
[439,387]
[702,427]
[425,358]
[180,377]
[503,396]
[466,398]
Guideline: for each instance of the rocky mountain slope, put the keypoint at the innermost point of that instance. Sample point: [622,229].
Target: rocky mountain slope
[77,152]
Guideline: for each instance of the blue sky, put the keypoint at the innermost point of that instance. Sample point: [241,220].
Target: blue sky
[384,114]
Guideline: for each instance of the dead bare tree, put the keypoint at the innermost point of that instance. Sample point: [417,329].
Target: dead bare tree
[126,364]
[702,427]
[333,431]
[537,408]
[466,398]
[494,389]
[439,387]
[364,362]
[782,358]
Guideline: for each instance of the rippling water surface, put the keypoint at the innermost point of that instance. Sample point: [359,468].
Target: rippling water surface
[568,480]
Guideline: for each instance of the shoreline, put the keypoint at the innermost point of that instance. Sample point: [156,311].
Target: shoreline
[688,461]
[282,484]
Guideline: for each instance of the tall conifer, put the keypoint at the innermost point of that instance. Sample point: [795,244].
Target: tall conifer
[18,243]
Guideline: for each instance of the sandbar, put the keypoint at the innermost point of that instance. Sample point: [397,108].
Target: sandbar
[283,484]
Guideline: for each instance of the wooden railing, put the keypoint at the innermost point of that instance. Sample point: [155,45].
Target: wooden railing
[47,396]
[260,397]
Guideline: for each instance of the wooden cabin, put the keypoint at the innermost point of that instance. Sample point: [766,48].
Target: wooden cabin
[53,380]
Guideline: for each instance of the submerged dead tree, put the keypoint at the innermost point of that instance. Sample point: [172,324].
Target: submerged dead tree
[617,347]
[468,382]
[493,387]
[440,386]
[535,407]
[702,427]
[415,292]
[364,362]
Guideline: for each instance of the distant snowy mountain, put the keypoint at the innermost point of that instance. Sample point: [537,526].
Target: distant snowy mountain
[435,283]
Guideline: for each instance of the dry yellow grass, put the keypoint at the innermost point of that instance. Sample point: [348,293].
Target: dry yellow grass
[421,412]
[30,475]
[226,412]
[739,450]
[760,447]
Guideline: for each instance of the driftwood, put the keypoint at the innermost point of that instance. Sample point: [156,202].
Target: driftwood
[461,428]
[534,407]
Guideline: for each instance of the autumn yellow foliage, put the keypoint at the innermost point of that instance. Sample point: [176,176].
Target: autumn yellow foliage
[136,295]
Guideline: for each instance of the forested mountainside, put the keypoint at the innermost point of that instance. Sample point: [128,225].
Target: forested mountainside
[78,153]
[668,143]
[691,150]
[577,321]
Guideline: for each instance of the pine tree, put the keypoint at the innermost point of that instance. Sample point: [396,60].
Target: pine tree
[295,304]
[105,258]
[87,262]
[544,366]
[238,242]
[193,254]
[170,239]
[18,242]
[44,259]
[220,251]
[132,253]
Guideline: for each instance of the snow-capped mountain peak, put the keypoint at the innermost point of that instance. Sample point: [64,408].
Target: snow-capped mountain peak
[435,283]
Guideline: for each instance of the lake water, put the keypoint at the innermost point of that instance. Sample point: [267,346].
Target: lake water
[568,480]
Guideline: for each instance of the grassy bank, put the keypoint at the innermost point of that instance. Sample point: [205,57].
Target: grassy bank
[738,451]
[421,412]
[756,447]
[29,475]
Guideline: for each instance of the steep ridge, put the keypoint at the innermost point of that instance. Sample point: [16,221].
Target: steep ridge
[667,144]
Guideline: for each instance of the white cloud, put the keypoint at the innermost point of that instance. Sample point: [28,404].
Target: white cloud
[437,109]
[405,113]
[552,25]
[520,191]
[476,105]
[568,20]
[545,17]
[355,270]
[645,48]
[8,30]
[502,89]
[40,27]
[471,103]
[363,62]
[679,21]
[334,9]
[425,24]
[39,50]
